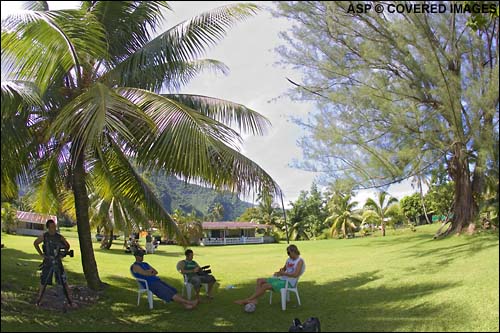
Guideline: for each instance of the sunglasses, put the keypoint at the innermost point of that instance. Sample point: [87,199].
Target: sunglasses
[288,252]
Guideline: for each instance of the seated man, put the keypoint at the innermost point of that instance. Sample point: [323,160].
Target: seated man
[149,243]
[143,270]
[294,267]
[192,269]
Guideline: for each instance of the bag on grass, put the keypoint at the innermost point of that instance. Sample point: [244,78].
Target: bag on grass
[312,324]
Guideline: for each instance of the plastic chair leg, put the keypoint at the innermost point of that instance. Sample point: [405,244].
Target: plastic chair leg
[283,299]
[150,300]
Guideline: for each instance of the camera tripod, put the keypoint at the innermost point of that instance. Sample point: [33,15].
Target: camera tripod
[54,270]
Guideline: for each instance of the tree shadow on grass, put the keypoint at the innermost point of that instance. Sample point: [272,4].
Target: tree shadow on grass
[161,252]
[444,253]
[351,304]
[355,303]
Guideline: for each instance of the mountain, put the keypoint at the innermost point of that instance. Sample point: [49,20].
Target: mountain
[177,194]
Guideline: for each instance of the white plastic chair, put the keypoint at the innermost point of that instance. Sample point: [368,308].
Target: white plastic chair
[143,287]
[187,285]
[285,292]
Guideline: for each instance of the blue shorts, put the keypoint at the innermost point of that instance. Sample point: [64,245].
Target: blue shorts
[51,270]
[163,290]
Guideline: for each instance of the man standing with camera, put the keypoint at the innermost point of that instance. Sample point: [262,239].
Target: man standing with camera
[55,246]
[196,275]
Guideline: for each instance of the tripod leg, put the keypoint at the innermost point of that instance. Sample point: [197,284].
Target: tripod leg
[41,294]
[62,282]
[66,293]
[44,286]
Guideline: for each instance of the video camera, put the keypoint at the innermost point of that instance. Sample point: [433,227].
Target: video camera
[63,252]
[59,253]
[204,270]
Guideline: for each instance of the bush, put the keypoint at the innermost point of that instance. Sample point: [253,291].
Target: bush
[9,220]
[325,234]
[64,221]
[277,235]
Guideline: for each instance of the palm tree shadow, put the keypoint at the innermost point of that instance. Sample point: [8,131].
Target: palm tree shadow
[161,252]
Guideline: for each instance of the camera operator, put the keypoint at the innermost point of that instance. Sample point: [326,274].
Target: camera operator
[195,274]
[53,242]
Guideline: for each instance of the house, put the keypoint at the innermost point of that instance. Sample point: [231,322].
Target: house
[32,224]
[231,233]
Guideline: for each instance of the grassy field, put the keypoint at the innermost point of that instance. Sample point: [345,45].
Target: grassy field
[403,282]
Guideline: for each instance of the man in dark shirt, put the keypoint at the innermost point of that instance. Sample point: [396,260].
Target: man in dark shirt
[166,292]
[52,243]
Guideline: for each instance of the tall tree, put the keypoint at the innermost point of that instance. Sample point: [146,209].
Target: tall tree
[308,212]
[384,207]
[85,94]
[343,216]
[397,94]
[411,207]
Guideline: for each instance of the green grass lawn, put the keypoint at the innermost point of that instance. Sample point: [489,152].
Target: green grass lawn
[402,282]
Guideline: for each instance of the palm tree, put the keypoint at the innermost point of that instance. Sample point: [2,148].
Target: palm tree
[297,223]
[189,225]
[420,180]
[369,219]
[217,211]
[382,208]
[84,97]
[343,217]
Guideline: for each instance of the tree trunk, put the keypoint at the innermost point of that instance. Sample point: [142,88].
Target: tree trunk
[107,239]
[82,220]
[465,207]
[110,241]
[383,227]
[422,200]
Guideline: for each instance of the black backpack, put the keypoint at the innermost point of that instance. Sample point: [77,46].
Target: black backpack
[312,324]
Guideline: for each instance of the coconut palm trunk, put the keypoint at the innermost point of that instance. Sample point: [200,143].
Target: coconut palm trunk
[82,221]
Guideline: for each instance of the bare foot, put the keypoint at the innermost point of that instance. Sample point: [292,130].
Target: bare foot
[191,304]
[241,301]
[189,307]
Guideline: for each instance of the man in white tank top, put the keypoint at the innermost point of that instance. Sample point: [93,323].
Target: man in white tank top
[294,267]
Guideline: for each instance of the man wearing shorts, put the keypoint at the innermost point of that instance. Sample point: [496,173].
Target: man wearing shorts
[53,242]
[294,267]
[192,271]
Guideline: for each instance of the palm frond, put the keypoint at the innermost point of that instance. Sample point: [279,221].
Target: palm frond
[195,147]
[183,43]
[128,184]
[49,184]
[19,142]
[17,93]
[229,113]
[155,77]
[43,46]
[128,24]
[97,111]
[35,5]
